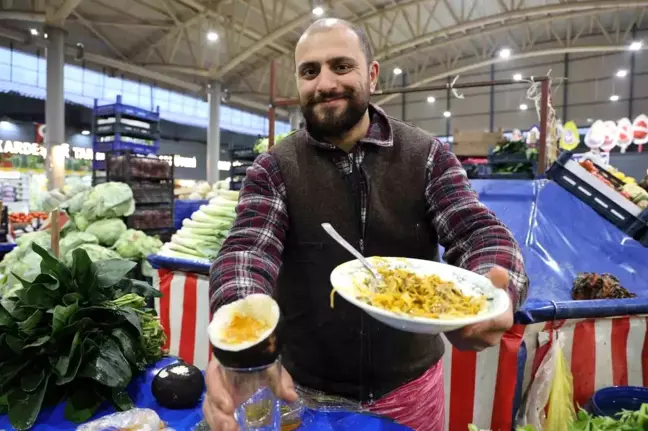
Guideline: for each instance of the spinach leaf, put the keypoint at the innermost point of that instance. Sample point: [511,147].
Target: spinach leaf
[61,315]
[108,366]
[82,404]
[25,406]
[112,271]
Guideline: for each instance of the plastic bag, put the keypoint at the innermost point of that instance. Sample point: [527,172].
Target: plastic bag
[133,420]
[552,388]
[532,411]
[561,407]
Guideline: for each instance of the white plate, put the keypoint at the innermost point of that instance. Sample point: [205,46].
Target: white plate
[345,278]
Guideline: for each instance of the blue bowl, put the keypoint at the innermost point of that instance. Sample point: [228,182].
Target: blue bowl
[613,400]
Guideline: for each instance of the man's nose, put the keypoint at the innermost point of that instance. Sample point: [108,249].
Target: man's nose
[326,81]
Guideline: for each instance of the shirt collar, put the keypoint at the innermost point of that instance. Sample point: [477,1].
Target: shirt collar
[379,132]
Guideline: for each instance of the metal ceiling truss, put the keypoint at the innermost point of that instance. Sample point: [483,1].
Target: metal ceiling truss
[579,25]
[430,34]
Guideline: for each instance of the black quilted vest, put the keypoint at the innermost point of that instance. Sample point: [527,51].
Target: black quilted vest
[344,351]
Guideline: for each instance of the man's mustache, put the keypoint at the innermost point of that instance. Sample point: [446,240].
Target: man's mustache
[325,97]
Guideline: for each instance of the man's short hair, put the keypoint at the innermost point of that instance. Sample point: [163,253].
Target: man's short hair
[325,24]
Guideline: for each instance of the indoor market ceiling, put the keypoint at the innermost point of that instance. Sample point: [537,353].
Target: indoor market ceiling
[184,44]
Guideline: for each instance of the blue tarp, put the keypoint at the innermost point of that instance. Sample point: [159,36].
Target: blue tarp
[52,419]
[184,208]
[561,236]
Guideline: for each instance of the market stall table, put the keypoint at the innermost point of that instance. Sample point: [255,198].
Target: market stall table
[52,419]
[560,236]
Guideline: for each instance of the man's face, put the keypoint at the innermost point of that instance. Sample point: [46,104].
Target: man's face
[334,80]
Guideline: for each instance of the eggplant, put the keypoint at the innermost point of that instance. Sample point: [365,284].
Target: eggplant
[259,350]
[178,386]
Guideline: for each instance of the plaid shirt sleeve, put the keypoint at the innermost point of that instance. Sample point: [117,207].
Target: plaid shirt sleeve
[471,234]
[250,258]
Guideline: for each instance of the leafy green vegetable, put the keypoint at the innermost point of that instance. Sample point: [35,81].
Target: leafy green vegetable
[75,332]
[108,200]
[107,231]
[135,244]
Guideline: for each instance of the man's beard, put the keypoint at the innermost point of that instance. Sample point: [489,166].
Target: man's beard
[332,124]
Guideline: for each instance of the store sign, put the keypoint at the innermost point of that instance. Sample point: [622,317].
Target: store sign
[180,161]
[80,153]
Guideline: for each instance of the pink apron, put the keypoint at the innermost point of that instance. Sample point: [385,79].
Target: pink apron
[419,404]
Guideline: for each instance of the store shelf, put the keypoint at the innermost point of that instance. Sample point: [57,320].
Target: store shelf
[123,127]
[151,179]
[605,200]
[126,110]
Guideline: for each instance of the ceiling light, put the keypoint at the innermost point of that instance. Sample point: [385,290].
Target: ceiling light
[397,71]
[621,73]
[590,120]
[523,107]
[85,132]
[636,46]
[447,114]
[431,99]
[505,53]
[212,36]
[614,97]
[517,77]
[45,35]
[33,32]
[5,123]
[318,11]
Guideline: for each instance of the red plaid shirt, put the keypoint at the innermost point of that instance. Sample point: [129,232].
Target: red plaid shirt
[472,236]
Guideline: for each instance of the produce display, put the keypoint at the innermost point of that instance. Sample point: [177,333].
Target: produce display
[504,155]
[261,145]
[27,218]
[626,421]
[202,236]
[590,285]
[627,186]
[75,334]
[94,225]
[200,190]
[141,167]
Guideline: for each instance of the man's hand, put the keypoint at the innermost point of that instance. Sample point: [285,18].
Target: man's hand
[218,407]
[485,334]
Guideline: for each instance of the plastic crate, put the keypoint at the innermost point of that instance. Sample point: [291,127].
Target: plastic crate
[118,145]
[606,201]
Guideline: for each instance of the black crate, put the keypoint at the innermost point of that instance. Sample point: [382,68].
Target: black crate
[604,199]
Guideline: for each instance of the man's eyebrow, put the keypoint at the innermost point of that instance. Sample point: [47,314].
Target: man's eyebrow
[332,60]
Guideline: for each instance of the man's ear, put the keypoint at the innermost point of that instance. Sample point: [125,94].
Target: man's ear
[374,71]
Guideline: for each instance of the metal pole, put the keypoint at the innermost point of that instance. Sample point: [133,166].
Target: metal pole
[632,78]
[566,89]
[213,132]
[448,95]
[55,108]
[404,101]
[544,104]
[271,110]
[491,113]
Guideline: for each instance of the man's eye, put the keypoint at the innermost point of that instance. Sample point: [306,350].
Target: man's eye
[308,73]
[342,68]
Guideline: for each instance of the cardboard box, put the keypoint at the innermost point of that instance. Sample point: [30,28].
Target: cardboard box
[473,143]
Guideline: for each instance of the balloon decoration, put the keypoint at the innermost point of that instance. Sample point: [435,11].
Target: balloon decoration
[570,137]
[640,130]
[611,136]
[595,137]
[625,134]
[533,136]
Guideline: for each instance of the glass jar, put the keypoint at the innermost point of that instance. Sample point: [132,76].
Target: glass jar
[258,408]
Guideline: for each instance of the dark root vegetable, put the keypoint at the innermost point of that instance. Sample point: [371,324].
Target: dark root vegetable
[178,386]
[258,350]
